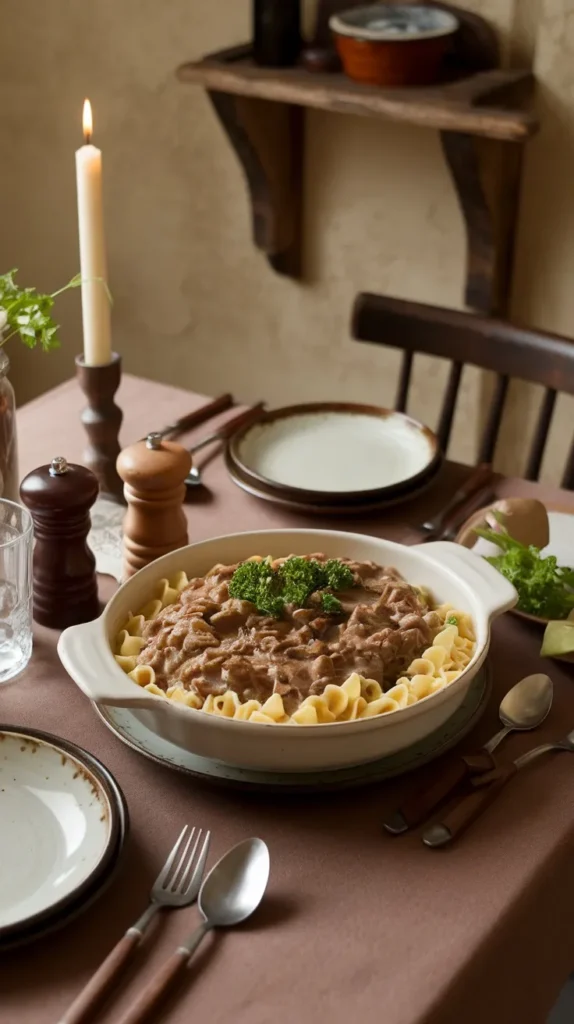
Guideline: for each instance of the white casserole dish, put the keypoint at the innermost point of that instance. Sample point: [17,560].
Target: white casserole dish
[450,572]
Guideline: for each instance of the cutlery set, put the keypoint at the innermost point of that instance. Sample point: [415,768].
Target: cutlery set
[473,782]
[475,492]
[202,415]
[228,895]
[244,418]
[195,418]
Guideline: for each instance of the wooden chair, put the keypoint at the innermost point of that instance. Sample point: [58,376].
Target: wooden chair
[464,338]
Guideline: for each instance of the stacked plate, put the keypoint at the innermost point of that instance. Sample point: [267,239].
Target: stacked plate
[63,825]
[333,457]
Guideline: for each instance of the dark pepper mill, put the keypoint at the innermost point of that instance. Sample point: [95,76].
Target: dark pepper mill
[276,32]
[60,497]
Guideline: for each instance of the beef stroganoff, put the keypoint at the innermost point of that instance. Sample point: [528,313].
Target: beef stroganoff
[362,642]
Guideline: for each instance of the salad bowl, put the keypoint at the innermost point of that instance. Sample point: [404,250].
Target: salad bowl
[451,573]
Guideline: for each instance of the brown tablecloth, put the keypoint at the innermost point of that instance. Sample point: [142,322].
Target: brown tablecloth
[356,925]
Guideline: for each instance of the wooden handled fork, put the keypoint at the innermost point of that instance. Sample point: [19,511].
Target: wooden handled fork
[177,885]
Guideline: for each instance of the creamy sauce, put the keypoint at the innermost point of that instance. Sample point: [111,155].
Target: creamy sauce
[210,643]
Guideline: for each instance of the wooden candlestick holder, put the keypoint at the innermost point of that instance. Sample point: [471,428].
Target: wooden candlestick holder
[102,420]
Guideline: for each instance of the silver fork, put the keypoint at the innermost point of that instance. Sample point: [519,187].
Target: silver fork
[177,885]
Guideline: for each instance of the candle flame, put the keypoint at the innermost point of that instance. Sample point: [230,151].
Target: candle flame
[87,120]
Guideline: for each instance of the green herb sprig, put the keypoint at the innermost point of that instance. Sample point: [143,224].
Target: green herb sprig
[292,583]
[544,588]
[28,312]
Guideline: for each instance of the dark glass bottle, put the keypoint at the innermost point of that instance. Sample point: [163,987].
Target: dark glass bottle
[276,32]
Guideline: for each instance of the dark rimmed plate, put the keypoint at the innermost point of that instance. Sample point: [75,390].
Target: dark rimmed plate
[333,457]
[58,794]
[130,730]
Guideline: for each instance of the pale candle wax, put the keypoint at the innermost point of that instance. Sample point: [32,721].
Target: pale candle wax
[95,300]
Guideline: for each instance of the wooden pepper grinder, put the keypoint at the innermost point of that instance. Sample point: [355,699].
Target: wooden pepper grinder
[153,472]
[60,497]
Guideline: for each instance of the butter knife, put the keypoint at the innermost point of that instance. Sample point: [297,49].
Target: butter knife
[433,529]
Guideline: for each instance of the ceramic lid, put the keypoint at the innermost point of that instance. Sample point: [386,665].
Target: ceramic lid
[394,22]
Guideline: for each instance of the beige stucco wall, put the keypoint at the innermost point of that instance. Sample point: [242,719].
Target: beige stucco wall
[195,304]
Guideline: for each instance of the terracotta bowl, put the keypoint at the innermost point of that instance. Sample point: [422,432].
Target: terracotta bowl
[394,44]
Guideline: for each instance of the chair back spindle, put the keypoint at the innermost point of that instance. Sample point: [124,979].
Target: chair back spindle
[568,478]
[449,405]
[541,435]
[404,382]
[495,414]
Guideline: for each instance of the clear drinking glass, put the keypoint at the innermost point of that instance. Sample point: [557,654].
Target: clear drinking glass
[16,537]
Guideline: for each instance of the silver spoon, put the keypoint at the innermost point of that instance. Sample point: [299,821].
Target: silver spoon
[232,890]
[524,707]
[487,788]
[244,419]
[193,478]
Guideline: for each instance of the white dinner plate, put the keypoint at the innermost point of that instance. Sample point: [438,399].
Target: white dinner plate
[561,538]
[58,828]
[327,451]
[131,730]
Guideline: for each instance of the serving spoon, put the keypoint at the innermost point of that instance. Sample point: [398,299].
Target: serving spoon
[231,892]
[524,707]
[486,789]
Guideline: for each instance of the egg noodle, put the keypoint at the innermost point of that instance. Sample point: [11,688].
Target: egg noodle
[439,665]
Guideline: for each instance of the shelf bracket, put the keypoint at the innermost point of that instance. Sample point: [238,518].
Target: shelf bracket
[486,176]
[478,110]
[268,141]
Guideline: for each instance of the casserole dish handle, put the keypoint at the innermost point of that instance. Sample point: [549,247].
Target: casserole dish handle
[84,653]
[493,589]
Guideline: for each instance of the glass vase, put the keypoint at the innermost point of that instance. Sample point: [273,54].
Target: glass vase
[9,479]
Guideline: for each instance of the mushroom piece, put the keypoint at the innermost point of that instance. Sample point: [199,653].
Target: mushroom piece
[525,519]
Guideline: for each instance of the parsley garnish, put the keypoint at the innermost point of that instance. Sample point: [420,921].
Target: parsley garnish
[331,604]
[544,588]
[292,583]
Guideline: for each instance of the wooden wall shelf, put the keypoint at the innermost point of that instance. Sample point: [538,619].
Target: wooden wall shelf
[473,105]
[261,110]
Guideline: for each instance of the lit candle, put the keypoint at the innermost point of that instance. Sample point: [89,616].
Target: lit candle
[95,300]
